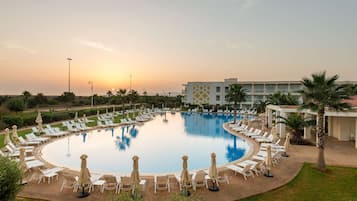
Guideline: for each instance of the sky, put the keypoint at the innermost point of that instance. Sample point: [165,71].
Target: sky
[166,43]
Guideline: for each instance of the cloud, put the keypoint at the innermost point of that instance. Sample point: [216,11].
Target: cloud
[96,45]
[239,45]
[245,4]
[17,46]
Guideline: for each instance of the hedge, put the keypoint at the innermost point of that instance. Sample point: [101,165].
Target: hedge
[28,119]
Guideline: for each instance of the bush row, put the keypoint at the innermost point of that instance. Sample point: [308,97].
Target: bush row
[28,119]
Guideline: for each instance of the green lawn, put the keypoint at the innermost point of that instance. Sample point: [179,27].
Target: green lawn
[338,184]
[94,123]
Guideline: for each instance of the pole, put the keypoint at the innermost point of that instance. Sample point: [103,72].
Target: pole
[69,74]
[91,88]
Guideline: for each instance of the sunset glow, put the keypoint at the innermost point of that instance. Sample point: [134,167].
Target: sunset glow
[164,44]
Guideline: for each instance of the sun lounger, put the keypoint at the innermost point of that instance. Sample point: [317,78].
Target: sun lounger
[199,180]
[245,171]
[27,142]
[161,183]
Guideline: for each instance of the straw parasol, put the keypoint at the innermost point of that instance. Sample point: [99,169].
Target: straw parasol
[185,179]
[213,173]
[245,118]
[84,117]
[113,109]
[84,176]
[286,145]
[14,132]
[106,110]
[39,122]
[98,113]
[274,133]
[76,116]
[7,137]
[135,173]
[268,162]
[22,163]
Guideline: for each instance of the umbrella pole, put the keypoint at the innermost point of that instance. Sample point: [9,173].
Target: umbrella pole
[214,187]
[82,194]
[268,174]
[186,192]
[285,154]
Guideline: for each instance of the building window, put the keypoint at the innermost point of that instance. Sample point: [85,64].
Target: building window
[259,88]
[226,89]
[283,88]
[218,89]
[270,88]
[247,87]
[218,98]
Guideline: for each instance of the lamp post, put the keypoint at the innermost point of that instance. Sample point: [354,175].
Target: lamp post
[91,89]
[69,74]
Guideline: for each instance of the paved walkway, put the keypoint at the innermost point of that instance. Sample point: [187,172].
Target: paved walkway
[337,153]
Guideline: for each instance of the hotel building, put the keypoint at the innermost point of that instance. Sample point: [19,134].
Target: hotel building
[214,93]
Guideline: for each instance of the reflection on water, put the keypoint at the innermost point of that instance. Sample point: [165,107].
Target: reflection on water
[155,142]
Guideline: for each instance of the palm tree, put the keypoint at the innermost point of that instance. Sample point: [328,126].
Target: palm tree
[296,123]
[27,95]
[318,93]
[236,94]
[279,98]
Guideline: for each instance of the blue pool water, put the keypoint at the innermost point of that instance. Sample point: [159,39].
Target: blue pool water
[159,145]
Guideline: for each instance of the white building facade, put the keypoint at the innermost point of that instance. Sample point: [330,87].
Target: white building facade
[214,93]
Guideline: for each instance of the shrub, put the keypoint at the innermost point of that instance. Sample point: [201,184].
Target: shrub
[29,120]
[10,179]
[11,120]
[15,105]
[126,197]
[179,197]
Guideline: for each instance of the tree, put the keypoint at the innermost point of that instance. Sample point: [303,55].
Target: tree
[10,179]
[26,95]
[236,94]
[279,98]
[318,93]
[133,96]
[67,97]
[260,106]
[296,123]
[40,99]
[121,92]
[109,93]
[16,105]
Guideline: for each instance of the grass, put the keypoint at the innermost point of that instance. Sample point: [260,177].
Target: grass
[339,183]
[91,124]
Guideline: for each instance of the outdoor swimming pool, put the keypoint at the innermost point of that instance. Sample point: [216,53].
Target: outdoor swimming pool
[159,145]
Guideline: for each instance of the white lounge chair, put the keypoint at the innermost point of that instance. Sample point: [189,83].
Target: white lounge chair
[69,182]
[245,171]
[199,180]
[161,183]
[27,142]
[49,174]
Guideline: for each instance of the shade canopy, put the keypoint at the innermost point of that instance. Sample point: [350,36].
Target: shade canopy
[84,174]
[268,160]
[76,116]
[39,122]
[212,172]
[287,142]
[14,132]
[185,180]
[274,132]
[7,137]
[135,173]
[22,163]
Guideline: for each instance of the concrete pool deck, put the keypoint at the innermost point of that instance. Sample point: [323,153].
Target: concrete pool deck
[336,153]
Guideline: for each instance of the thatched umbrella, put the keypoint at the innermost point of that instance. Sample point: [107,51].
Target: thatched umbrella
[213,173]
[98,113]
[185,177]
[84,176]
[268,162]
[106,110]
[39,122]
[22,163]
[274,132]
[14,132]
[76,116]
[286,145]
[7,137]
[135,173]
[113,110]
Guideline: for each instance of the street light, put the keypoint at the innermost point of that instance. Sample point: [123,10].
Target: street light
[69,74]
[91,88]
